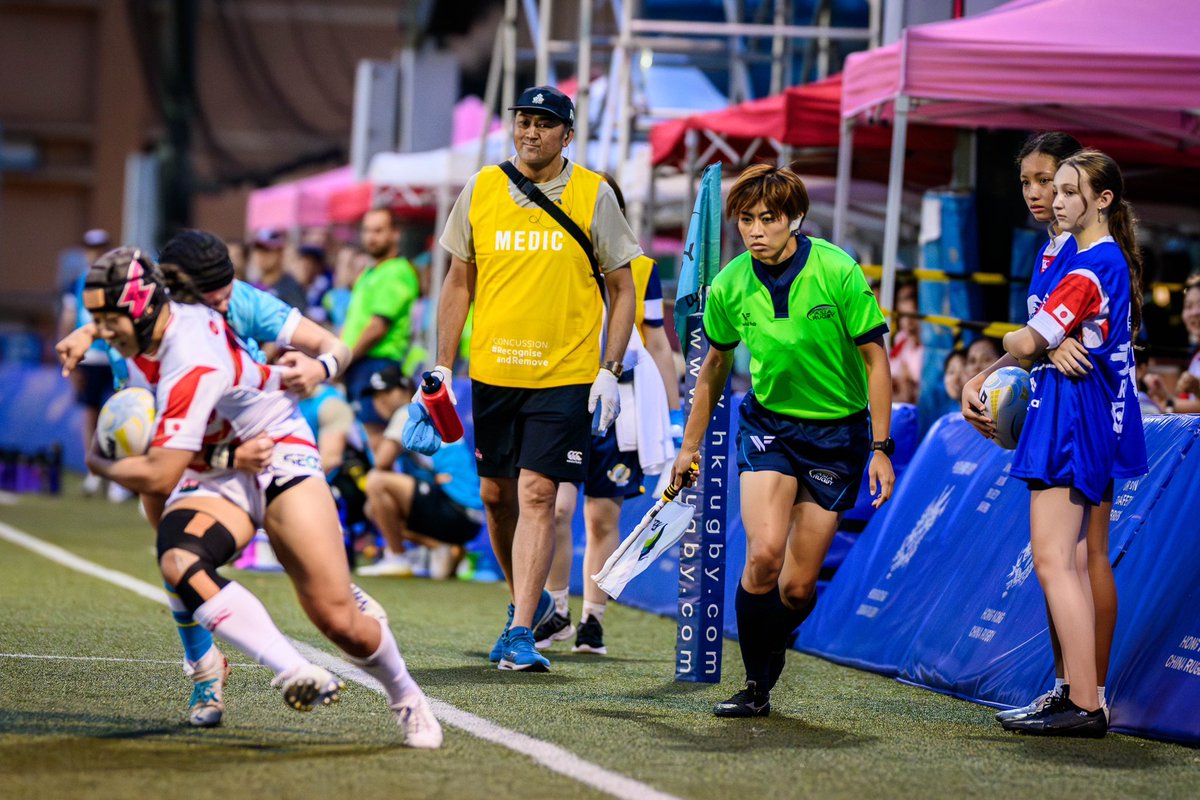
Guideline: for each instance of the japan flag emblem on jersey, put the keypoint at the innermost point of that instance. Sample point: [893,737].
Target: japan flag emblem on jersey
[1064,315]
[171,427]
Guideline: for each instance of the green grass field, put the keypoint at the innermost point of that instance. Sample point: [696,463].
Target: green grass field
[92,704]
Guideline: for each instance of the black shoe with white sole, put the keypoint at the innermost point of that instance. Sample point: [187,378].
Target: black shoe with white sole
[1062,719]
[749,702]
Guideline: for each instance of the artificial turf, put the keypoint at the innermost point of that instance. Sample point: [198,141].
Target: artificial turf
[114,728]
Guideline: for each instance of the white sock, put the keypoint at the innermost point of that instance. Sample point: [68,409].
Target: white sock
[387,666]
[1059,683]
[561,600]
[593,610]
[239,618]
[1100,696]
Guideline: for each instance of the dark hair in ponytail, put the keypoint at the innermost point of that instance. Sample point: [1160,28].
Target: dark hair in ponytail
[1056,144]
[1103,173]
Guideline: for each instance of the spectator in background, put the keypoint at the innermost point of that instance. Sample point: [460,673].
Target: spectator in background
[272,277]
[907,356]
[1187,389]
[348,264]
[981,354]
[440,509]
[317,280]
[377,328]
[954,377]
[93,379]
[237,256]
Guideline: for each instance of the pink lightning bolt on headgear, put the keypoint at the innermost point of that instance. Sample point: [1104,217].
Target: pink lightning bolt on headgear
[127,282]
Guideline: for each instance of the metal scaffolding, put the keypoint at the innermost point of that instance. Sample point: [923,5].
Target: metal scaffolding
[627,40]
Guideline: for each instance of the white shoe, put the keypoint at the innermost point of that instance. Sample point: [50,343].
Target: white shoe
[392,566]
[419,560]
[442,563]
[416,719]
[118,493]
[206,707]
[91,485]
[367,604]
[307,686]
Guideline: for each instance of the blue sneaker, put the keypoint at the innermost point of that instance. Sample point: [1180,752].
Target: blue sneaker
[498,648]
[520,653]
[543,613]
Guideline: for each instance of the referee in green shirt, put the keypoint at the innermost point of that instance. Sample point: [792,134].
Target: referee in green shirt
[805,433]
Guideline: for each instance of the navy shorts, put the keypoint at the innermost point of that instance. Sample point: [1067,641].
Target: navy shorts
[543,430]
[94,385]
[612,472]
[358,379]
[435,515]
[827,457]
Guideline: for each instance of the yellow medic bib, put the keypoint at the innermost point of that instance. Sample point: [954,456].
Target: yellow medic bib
[641,268]
[538,312]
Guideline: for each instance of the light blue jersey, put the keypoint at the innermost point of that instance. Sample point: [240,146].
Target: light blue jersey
[256,316]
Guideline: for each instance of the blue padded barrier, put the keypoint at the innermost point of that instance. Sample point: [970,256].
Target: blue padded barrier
[941,592]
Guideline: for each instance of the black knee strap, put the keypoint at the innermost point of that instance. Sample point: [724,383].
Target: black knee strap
[213,548]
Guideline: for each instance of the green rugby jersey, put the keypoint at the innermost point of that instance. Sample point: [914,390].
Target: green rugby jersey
[802,330]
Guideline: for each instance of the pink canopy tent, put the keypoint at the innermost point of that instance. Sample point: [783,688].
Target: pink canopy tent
[1103,65]
[297,204]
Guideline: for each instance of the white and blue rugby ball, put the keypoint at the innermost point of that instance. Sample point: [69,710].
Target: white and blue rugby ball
[126,424]
[1005,397]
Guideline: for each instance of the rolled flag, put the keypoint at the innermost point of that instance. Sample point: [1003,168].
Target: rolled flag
[655,534]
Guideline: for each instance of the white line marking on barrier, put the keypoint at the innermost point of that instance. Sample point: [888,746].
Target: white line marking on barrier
[550,756]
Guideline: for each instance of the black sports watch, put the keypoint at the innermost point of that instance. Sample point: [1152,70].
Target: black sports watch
[887,446]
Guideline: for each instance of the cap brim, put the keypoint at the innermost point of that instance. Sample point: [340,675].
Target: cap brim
[541,110]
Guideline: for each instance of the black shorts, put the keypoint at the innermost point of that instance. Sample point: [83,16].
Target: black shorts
[95,385]
[435,515]
[827,457]
[1036,485]
[543,430]
[612,472]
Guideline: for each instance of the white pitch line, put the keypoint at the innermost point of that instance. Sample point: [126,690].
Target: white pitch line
[550,756]
[47,657]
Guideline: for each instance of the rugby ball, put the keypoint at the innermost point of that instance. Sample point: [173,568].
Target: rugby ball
[1005,398]
[126,424]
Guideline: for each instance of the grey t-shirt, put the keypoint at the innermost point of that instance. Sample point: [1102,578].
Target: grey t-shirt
[612,238]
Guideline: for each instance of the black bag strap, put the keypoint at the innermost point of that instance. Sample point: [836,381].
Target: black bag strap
[530,190]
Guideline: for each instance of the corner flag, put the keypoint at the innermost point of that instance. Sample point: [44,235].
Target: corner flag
[700,620]
[702,250]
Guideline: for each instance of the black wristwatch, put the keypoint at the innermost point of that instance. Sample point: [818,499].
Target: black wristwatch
[887,446]
[615,367]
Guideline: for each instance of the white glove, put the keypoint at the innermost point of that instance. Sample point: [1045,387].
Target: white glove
[604,396]
[447,378]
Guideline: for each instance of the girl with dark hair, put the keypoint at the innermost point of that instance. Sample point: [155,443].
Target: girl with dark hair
[818,413]
[1038,161]
[1081,431]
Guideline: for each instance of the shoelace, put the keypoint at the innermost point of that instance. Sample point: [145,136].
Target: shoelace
[204,692]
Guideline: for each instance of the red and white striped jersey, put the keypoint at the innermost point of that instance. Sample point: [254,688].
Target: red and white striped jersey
[208,388]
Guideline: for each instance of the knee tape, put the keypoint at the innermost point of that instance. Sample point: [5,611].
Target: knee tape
[204,537]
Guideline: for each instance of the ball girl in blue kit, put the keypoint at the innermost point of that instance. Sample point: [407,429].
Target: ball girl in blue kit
[1068,451]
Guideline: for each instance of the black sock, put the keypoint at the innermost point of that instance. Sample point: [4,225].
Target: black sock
[756,618]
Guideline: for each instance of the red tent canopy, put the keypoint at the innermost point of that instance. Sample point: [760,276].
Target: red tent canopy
[805,118]
[349,204]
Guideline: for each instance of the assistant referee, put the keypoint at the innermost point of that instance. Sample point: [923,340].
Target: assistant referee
[818,369]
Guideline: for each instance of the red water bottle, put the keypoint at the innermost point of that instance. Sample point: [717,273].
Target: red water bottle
[436,397]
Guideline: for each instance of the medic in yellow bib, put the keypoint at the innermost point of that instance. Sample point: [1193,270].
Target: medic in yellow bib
[537,370]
